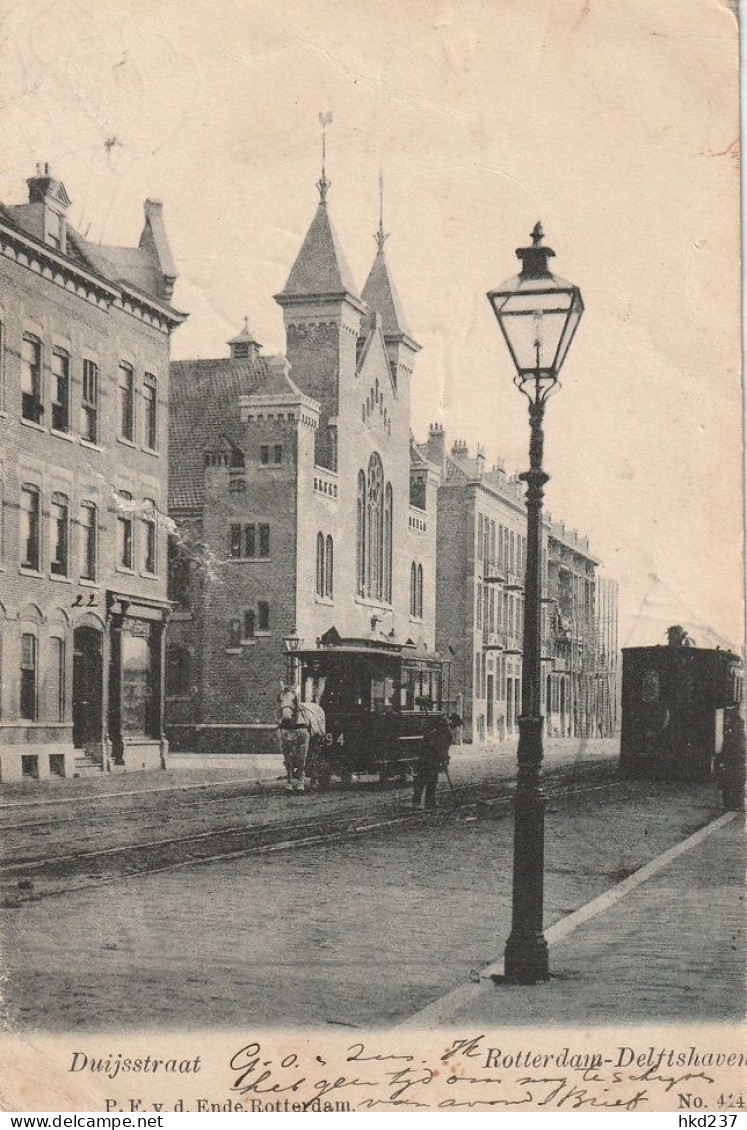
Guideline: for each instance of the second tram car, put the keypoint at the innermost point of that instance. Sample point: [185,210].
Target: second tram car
[677,704]
[376,698]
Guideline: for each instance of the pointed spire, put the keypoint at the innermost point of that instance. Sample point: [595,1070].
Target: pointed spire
[323,184]
[321,269]
[381,236]
[379,292]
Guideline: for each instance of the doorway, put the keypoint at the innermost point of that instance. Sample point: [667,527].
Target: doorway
[88,690]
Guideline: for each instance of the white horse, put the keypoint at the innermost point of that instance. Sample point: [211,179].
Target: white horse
[302,724]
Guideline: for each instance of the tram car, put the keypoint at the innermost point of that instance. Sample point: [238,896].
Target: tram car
[376,698]
[677,705]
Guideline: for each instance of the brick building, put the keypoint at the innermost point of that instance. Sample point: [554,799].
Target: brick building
[84,351]
[300,499]
[480,606]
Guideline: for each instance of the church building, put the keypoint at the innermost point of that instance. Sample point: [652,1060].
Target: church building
[300,499]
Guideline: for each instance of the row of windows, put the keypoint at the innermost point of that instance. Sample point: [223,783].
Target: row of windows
[325,566]
[43,688]
[374,526]
[54,678]
[53,688]
[61,369]
[246,626]
[502,612]
[271,453]
[249,540]
[505,680]
[416,591]
[498,544]
[61,544]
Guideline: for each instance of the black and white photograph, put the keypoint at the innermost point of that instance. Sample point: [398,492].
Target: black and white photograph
[371,557]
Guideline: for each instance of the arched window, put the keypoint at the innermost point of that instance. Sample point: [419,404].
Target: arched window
[375,528]
[329,572]
[59,534]
[388,534]
[56,680]
[29,687]
[30,532]
[88,535]
[148,523]
[150,412]
[413,589]
[360,536]
[420,591]
[320,564]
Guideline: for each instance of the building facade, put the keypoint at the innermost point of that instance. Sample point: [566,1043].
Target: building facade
[84,376]
[480,606]
[299,497]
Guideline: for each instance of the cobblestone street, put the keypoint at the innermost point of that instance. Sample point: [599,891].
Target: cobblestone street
[103,827]
[358,932]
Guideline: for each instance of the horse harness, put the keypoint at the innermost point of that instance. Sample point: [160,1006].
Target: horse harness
[288,725]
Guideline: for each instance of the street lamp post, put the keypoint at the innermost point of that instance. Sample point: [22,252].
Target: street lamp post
[538,314]
[291,642]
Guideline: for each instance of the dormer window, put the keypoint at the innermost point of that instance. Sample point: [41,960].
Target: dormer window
[50,194]
[53,234]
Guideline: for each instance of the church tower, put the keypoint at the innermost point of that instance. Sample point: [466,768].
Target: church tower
[322,311]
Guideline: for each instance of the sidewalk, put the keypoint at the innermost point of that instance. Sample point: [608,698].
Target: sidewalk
[667,944]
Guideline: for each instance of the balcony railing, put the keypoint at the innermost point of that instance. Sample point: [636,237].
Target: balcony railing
[514,581]
[493,570]
[494,641]
[513,645]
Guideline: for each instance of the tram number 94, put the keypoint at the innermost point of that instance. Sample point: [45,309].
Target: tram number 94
[330,739]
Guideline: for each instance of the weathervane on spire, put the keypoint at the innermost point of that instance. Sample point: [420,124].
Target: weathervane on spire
[323,184]
[381,236]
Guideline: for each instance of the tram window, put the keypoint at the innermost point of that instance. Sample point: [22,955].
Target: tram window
[417,687]
[378,695]
[650,686]
[314,687]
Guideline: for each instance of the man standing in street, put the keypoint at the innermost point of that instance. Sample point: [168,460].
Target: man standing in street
[434,756]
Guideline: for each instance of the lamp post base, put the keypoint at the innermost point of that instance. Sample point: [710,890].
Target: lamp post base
[526,960]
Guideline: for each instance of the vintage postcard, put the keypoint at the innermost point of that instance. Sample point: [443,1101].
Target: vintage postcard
[371,558]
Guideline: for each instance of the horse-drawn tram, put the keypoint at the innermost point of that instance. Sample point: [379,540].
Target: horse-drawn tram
[679,705]
[376,698]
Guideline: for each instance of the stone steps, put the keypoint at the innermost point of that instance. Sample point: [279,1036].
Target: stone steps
[86,766]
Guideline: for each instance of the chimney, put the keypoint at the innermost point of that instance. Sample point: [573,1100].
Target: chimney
[459,449]
[436,444]
[154,240]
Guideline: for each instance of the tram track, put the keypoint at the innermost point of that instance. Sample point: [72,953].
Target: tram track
[29,880]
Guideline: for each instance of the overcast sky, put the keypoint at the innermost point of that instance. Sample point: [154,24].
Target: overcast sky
[613,121]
